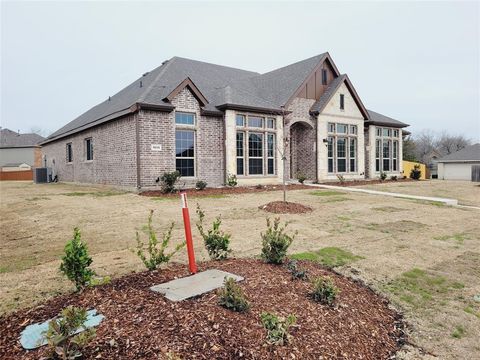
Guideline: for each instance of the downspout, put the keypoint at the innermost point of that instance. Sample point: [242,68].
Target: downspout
[137,144]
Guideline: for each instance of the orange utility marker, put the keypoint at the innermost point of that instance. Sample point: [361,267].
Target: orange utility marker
[188,234]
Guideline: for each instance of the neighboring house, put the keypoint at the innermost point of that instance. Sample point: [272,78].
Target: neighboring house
[16,148]
[458,165]
[208,121]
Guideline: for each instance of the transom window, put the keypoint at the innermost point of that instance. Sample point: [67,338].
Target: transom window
[386,150]
[342,148]
[183,118]
[89,149]
[69,153]
[185,152]
[255,145]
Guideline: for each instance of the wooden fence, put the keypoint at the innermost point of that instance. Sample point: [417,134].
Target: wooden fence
[16,175]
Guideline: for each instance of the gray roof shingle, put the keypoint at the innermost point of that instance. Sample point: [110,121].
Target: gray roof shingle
[379,119]
[468,153]
[12,139]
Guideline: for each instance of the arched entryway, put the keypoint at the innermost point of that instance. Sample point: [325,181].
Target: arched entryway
[302,150]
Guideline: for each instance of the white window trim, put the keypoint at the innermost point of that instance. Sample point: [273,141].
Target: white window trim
[348,135]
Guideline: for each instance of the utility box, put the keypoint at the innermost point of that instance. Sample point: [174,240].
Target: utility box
[42,175]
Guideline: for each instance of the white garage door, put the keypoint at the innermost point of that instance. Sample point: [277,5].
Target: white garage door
[458,171]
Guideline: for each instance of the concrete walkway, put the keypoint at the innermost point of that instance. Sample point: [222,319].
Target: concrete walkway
[450,202]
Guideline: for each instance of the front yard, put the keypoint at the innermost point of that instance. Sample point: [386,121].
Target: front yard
[424,257]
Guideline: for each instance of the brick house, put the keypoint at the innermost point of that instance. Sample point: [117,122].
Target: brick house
[209,121]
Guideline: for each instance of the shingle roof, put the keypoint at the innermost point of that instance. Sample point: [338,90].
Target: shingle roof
[12,139]
[327,95]
[468,153]
[379,119]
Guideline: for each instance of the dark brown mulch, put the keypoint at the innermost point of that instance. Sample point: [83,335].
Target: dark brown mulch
[285,207]
[226,190]
[364,182]
[141,324]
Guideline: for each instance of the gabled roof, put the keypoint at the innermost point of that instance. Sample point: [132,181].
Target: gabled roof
[12,139]
[379,119]
[331,90]
[190,85]
[467,154]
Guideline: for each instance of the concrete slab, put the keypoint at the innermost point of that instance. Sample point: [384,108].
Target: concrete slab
[450,202]
[190,286]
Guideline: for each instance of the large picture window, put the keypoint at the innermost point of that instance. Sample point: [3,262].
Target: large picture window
[255,145]
[185,152]
[342,148]
[387,150]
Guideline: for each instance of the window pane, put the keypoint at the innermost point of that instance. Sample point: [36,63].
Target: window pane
[271,167]
[353,148]
[255,145]
[386,165]
[240,170]
[386,149]
[377,165]
[352,165]
[330,147]
[395,133]
[386,132]
[330,165]
[184,118]
[353,129]
[255,166]
[89,148]
[184,143]
[341,148]
[331,127]
[324,77]
[185,167]
[379,132]
[342,129]
[254,121]
[270,145]
[342,101]
[395,149]
[240,120]
[394,165]
[377,148]
[240,143]
[341,165]
[69,153]
[271,123]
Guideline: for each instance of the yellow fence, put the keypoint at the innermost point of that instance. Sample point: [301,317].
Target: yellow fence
[408,167]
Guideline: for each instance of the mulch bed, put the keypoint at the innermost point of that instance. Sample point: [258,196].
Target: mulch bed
[364,182]
[226,190]
[285,207]
[144,325]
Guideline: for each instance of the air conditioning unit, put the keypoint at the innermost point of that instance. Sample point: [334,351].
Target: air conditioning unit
[42,175]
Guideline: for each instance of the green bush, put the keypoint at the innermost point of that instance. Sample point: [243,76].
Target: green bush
[201,185]
[76,261]
[394,178]
[275,242]
[232,180]
[296,271]
[277,327]
[383,175]
[168,181]
[62,341]
[156,252]
[301,178]
[324,291]
[217,242]
[416,173]
[231,296]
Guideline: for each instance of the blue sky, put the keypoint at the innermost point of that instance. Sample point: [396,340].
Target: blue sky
[417,62]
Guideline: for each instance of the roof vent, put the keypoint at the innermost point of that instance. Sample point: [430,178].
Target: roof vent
[141,83]
[109,98]
[145,74]
[166,61]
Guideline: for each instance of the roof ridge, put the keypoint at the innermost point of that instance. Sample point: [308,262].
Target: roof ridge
[321,56]
[141,98]
[209,63]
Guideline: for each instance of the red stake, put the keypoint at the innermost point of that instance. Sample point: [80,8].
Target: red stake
[188,234]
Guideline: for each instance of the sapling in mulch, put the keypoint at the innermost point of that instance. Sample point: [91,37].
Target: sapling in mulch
[155,253]
[169,180]
[216,241]
[297,272]
[275,242]
[232,180]
[76,261]
[231,296]
[63,342]
[324,291]
[277,327]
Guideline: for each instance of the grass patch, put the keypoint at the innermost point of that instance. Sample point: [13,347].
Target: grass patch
[426,202]
[458,237]
[3,269]
[336,199]
[95,193]
[459,332]
[162,198]
[420,289]
[37,198]
[387,209]
[211,196]
[470,310]
[344,217]
[330,256]
[402,226]
[326,193]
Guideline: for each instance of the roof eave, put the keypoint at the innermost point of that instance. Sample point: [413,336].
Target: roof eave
[262,110]
[399,126]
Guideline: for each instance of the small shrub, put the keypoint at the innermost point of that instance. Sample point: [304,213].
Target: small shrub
[217,242]
[232,297]
[232,180]
[416,173]
[324,291]
[156,252]
[168,181]
[383,175]
[201,185]
[277,327]
[394,178]
[259,186]
[296,271]
[301,178]
[341,178]
[76,261]
[61,338]
[276,242]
